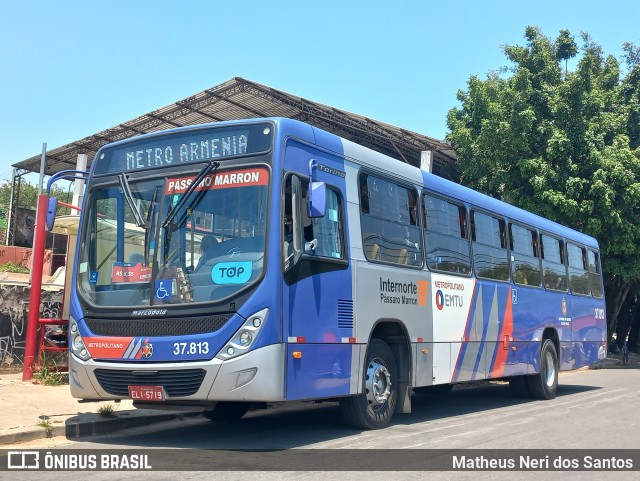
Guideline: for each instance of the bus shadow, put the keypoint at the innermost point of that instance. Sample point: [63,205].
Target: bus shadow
[303,424]
[473,399]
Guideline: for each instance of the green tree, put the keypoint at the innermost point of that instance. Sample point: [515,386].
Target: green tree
[566,48]
[631,53]
[561,144]
[28,195]
[28,199]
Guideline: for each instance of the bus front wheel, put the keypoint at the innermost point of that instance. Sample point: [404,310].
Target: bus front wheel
[544,385]
[373,408]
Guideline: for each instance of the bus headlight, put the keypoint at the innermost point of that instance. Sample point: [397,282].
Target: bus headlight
[245,338]
[242,340]
[77,346]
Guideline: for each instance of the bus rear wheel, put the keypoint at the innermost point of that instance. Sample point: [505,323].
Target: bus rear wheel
[374,407]
[544,385]
[227,411]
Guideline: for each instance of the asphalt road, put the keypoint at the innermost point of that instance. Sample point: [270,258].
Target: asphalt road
[593,410]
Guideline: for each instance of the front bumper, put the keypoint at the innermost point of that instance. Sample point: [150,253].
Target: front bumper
[255,376]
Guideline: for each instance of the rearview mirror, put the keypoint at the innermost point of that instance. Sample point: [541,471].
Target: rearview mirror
[52,207]
[316,199]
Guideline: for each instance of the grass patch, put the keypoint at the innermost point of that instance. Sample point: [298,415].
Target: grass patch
[106,410]
[47,426]
[49,373]
[11,267]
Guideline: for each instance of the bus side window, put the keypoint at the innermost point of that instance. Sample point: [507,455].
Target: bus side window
[554,273]
[322,236]
[489,247]
[389,221]
[447,246]
[525,265]
[594,274]
[578,275]
[327,233]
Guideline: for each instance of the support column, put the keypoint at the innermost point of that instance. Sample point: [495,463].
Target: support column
[36,289]
[78,186]
[426,160]
[10,215]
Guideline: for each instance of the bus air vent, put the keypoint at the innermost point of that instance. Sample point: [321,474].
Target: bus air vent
[176,382]
[345,314]
[157,327]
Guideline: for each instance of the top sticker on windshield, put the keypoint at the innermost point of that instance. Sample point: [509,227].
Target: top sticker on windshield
[220,180]
[232,272]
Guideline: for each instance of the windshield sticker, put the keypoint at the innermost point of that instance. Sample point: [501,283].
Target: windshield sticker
[232,272]
[220,180]
[130,272]
[164,289]
[93,278]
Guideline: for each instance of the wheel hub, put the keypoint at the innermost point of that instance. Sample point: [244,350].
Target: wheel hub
[378,383]
[550,370]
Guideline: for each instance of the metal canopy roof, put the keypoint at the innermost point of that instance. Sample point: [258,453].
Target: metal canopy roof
[239,98]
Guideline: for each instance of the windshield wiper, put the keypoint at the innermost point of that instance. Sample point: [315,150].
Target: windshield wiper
[208,167]
[126,190]
[147,235]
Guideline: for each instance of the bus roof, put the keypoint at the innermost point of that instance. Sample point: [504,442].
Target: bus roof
[482,201]
[390,166]
[439,185]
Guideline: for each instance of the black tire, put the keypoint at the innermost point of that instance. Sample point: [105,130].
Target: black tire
[544,385]
[227,411]
[374,408]
[519,386]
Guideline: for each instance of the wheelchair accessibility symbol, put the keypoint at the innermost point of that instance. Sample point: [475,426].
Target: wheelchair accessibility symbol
[164,289]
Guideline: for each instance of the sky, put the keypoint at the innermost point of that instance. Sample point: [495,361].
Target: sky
[70,69]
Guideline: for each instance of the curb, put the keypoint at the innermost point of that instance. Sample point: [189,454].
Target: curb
[31,433]
[606,363]
[76,428]
[615,363]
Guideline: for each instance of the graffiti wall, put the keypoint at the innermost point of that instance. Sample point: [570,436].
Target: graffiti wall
[24,227]
[14,310]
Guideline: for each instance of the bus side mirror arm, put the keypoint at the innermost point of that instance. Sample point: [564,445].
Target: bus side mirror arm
[296,201]
[52,203]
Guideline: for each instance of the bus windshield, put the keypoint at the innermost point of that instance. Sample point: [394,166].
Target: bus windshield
[157,242]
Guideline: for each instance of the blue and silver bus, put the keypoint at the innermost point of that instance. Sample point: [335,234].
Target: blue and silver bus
[267,260]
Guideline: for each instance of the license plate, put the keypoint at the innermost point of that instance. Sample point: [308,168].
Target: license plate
[146,393]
